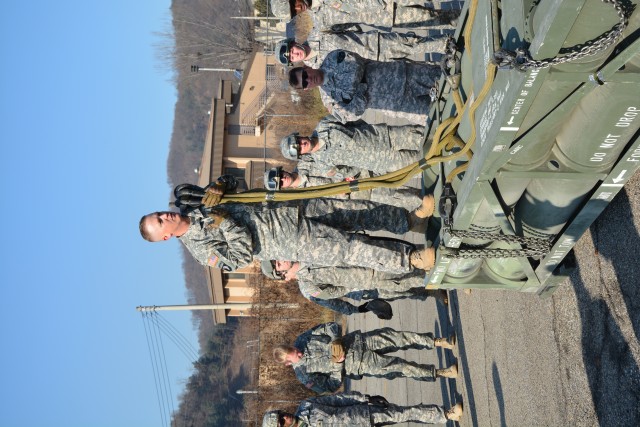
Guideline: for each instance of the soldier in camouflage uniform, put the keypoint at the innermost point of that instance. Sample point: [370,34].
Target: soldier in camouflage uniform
[234,233]
[378,148]
[326,285]
[374,45]
[404,197]
[321,358]
[376,13]
[350,85]
[354,409]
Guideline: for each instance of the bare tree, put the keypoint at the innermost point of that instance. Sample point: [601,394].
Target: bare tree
[202,33]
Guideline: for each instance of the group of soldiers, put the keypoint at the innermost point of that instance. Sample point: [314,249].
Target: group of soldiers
[320,242]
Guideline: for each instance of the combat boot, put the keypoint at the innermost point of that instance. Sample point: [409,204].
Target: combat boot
[423,259]
[454,413]
[418,218]
[441,295]
[447,343]
[450,372]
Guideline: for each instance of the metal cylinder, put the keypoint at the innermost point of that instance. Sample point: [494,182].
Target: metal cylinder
[598,129]
[504,268]
[462,270]
[548,204]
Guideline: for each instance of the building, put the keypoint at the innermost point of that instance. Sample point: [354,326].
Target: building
[236,144]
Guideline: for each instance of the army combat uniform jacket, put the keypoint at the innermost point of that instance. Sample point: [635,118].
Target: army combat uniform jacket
[313,231]
[353,85]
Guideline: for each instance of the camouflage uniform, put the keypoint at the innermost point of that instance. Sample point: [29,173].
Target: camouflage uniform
[377,148]
[312,231]
[376,13]
[354,409]
[374,45]
[353,84]
[366,355]
[326,285]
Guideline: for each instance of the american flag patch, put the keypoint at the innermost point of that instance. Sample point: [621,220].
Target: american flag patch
[213,261]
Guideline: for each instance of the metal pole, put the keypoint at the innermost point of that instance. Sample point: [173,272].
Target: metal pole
[247,391]
[230,306]
[257,18]
[195,69]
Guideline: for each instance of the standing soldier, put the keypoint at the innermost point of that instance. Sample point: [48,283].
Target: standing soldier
[233,233]
[374,45]
[321,358]
[326,285]
[404,197]
[359,410]
[376,13]
[350,85]
[378,148]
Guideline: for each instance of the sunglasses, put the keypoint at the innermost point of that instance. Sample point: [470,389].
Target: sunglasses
[305,79]
[277,273]
[281,420]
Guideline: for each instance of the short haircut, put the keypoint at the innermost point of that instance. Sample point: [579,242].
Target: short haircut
[293,77]
[292,6]
[281,352]
[143,228]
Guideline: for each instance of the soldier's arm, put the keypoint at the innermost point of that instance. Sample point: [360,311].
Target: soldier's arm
[324,291]
[230,245]
[343,399]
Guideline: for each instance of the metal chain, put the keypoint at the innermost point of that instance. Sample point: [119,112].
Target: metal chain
[532,246]
[521,60]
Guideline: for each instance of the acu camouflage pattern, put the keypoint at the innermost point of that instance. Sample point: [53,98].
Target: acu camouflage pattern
[336,282]
[287,231]
[376,13]
[315,344]
[378,148]
[352,409]
[373,44]
[366,355]
[396,89]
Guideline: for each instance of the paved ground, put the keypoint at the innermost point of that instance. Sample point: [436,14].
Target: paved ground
[571,359]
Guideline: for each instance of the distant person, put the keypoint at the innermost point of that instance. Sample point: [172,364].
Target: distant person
[359,410]
[321,357]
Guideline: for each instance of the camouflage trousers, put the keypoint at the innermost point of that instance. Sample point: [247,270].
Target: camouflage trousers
[374,360]
[394,414]
[324,238]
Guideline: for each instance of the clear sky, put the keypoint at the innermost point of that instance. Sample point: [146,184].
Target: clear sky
[86,119]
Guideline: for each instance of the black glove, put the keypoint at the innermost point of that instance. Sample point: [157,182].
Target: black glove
[379,307]
[378,401]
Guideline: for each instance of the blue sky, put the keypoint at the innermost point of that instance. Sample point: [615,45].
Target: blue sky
[86,121]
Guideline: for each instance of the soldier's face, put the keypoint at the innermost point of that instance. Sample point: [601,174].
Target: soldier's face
[285,179]
[293,357]
[284,269]
[163,225]
[286,420]
[305,143]
[308,78]
[297,53]
[300,6]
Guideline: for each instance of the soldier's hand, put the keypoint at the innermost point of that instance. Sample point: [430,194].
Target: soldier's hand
[378,401]
[337,351]
[214,193]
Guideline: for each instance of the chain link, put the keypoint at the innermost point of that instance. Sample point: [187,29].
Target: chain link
[531,246]
[523,61]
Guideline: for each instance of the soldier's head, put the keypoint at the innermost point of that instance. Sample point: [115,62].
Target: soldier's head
[305,78]
[294,146]
[277,179]
[280,270]
[158,226]
[286,354]
[279,419]
[299,6]
[289,51]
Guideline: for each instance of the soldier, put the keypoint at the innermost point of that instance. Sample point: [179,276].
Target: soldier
[234,233]
[373,44]
[378,148]
[326,285]
[350,85]
[361,410]
[376,13]
[321,358]
[404,197]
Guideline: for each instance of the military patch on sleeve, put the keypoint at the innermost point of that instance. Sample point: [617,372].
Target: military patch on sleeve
[213,261]
[315,294]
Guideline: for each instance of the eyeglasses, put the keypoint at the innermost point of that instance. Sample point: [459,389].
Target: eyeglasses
[277,273]
[305,79]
